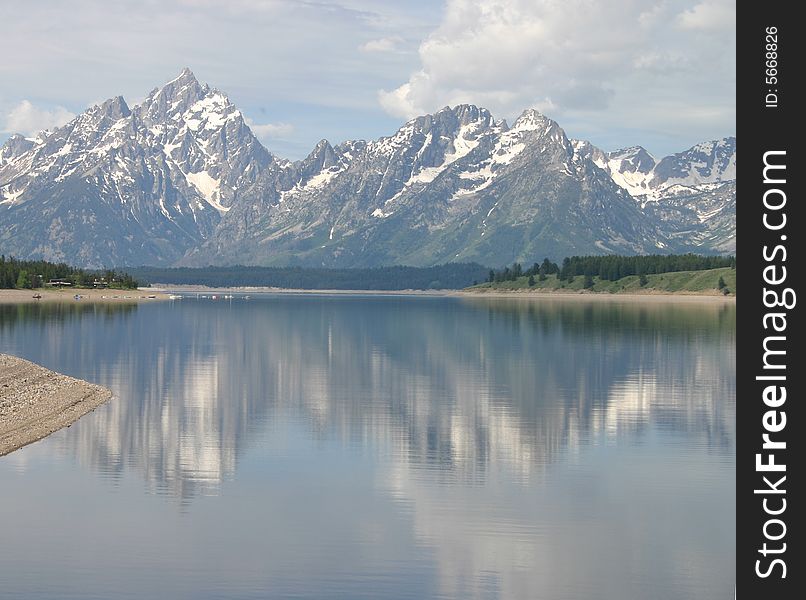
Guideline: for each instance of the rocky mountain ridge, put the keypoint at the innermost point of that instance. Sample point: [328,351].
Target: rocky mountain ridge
[181,179]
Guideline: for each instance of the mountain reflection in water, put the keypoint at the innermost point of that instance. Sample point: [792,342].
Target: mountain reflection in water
[352,447]
[464,387]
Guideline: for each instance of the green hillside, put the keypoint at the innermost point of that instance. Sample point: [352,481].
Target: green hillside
[692,282]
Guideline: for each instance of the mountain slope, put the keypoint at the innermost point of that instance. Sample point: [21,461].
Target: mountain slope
[453,186]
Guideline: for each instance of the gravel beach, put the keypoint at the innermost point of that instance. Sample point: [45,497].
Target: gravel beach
[68,295]
[35,402]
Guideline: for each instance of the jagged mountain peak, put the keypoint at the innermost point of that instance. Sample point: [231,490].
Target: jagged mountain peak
[116,107]
[727,143]
[320,159]
[173,98]
[707,162]
[585,149]
[186,74]
[351,149]
[95,119]
[321,146]
[446,120]
[15,146]
[724,146]
[532,119]
[51,152]
[634,159]
[186,78]
[466,114]
[535,127]
[629,152]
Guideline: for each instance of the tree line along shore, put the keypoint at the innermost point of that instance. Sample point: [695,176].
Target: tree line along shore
[35,274]
[709,282]
[687,273]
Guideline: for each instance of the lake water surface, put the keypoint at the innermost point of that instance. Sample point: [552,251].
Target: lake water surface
[314,446]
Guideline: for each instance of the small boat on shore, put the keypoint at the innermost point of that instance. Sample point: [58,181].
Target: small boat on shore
[37,296]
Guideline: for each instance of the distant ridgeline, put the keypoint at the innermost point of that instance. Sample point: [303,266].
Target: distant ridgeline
[31,274]
[448,276]
[614,267]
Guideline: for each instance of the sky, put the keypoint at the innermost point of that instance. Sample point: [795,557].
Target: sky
[656,73]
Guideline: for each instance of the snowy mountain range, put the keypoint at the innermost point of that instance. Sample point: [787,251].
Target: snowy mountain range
[181,179]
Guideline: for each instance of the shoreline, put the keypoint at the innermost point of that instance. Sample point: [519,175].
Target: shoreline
[202,289]
[463,293]
[651,296]
[162,292]
[35,402]
[14,296]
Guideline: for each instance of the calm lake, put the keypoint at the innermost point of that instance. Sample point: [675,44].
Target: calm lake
[315,446]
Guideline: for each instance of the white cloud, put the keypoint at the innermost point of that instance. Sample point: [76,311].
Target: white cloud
[27,119]
[710,15]
[386,44]
[617,63]
[627,66]
[281,61]
[270,131]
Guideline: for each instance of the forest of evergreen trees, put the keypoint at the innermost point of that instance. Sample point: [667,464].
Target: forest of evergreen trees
[539,270]
[449,276]
[613,267]
[31,274]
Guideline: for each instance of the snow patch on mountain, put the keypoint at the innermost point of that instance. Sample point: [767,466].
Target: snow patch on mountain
[209,187]
[10,196]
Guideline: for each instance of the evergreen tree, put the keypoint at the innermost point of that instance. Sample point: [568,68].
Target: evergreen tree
[531,281]
[22,280]
[565,272]
[588,282]
[722,285]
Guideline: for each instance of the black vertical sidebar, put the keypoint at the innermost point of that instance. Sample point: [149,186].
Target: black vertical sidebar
[769,540]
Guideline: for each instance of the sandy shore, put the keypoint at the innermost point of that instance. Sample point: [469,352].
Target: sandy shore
[599,296]
[203,289]
[525,294]
[35,402]
[24,296]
